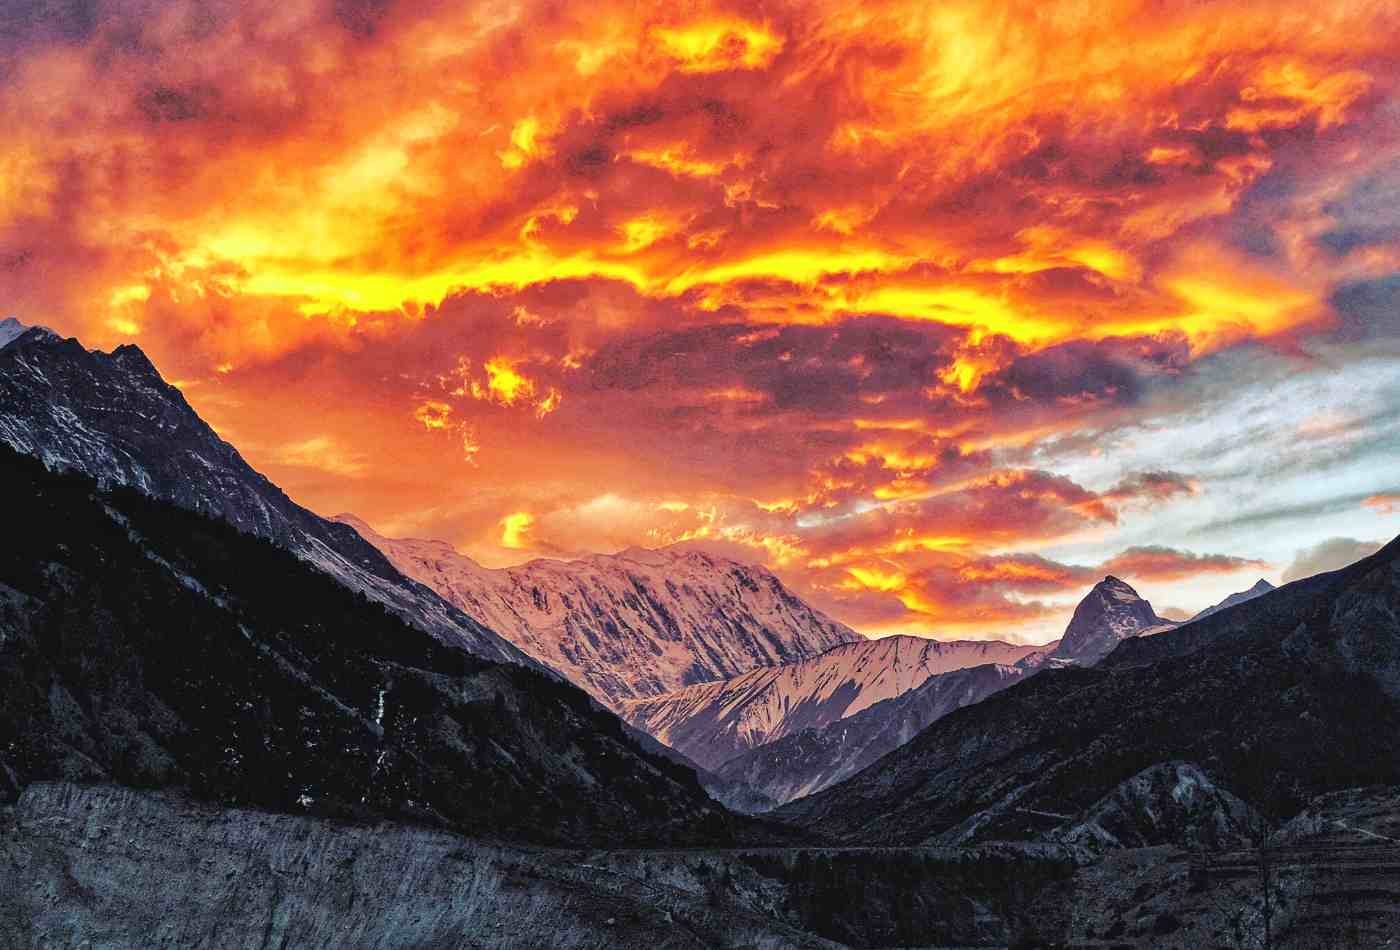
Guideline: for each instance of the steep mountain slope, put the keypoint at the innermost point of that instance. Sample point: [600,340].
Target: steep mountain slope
[114,418]
[1109,614]
[1260,588]
[632,624]
[810,760]
[713,722]
[1288,695]
[143,644]
[807,761]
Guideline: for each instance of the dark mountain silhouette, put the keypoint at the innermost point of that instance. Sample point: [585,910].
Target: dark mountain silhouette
[143,644]
[112,417]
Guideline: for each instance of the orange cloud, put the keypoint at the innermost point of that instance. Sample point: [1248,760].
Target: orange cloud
[832,277]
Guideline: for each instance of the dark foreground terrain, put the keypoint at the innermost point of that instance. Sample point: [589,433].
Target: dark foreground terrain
[113,867]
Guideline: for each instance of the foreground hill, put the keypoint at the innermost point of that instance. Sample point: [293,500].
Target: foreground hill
[714,722]
[112,417]
[146,645]
[628,625]
[1288,695]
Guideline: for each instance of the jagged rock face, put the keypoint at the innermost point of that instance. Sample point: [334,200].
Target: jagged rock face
[629,625]
[1289,695]
[143,644]
[112,417]
[1260,588]
[1173,803]
[1110,613]
[714,722]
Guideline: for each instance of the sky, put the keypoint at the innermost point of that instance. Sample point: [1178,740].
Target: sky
[941,311]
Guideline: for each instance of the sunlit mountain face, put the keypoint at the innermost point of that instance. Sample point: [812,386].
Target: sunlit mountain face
[942,311]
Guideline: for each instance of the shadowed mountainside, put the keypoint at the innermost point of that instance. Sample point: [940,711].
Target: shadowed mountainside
[144,644]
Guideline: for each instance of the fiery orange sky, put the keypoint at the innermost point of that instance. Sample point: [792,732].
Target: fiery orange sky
[940,310]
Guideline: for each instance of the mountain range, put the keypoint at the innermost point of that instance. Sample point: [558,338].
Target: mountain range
[148,645]
[634,624]
[809,760]
[714,722]
[170,621]
[1280,697]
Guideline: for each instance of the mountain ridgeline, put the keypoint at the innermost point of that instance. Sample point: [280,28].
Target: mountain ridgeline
[1281,697]
[808,760]
[715,722]
[112,417]
[630,625]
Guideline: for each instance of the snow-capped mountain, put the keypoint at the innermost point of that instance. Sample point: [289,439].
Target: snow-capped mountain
[714,722]
[1260,588]
[628,625]
[1109,614]
[10,329]
[112,417]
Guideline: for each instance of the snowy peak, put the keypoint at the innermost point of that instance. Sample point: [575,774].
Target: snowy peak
[1110,613]
[10,329]
[629,625]
[1260,588]
[713,722]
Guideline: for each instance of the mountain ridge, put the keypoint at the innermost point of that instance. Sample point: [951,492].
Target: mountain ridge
[717,721]
[113,417]
[628,625]
[1288,695]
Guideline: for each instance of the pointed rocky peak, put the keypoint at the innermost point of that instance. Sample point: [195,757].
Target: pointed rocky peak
[1110,613]
[1261,586]
[134,360]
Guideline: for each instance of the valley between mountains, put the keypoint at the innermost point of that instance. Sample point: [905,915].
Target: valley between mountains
[292,730]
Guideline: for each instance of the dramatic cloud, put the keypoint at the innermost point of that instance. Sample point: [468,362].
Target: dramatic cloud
[842,287]
[1164,564]
[1330,555]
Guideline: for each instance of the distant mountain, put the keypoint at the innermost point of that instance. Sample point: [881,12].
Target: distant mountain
[112,417]
[805,762]
[1109,614]
[1288,695]
[10,329]
[714,722]
[146,645]
[635,624]
[1260,588]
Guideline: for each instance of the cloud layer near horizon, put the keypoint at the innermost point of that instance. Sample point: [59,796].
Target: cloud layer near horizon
[860,291]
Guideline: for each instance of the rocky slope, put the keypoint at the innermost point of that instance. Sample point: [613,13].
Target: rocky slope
[629,625]
[143,644]
[1173,803]
[1291,694]
[117,868]
[714,722]
[112,417]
